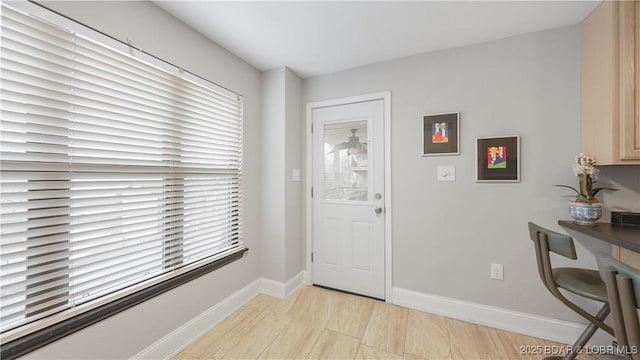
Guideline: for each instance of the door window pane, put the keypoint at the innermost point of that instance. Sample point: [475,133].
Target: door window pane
[345,161]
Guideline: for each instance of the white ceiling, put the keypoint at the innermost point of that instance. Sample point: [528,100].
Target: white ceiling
[319,37]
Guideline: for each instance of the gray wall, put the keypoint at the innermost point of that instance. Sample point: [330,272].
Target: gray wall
[281,257]
[293,160]
[272,260]
[154,31]
[627,180]
[446,234]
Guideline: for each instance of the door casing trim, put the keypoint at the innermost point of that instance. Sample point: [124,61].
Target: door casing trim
[385,96]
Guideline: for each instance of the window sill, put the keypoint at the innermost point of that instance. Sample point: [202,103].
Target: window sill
[42,337]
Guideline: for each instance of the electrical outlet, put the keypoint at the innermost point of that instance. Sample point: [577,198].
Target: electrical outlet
[497,271]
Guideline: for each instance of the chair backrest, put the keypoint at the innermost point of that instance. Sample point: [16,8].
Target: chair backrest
[560,244]
[623,291]
[607,262]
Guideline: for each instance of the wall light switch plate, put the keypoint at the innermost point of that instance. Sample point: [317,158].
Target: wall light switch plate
[447,173]
[497,271]
[295,175]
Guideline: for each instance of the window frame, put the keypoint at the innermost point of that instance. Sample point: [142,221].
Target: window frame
[46,334]
[39,338]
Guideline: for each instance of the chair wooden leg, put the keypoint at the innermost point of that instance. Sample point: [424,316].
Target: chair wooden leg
[587,333]
[630,314]
[616,311]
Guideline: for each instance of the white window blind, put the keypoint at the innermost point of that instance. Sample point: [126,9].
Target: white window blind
[115,174]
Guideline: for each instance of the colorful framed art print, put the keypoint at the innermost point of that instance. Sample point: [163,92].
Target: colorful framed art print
[498,159]
[441,134]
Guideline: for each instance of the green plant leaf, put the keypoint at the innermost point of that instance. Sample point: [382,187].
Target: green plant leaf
[583,199]
[569,187]
[597,190]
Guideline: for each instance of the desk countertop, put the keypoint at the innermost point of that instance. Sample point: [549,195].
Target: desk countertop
[624,236]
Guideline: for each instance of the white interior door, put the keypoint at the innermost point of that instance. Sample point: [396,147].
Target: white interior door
[348,199]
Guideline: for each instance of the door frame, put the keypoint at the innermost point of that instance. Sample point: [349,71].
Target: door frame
[388,258]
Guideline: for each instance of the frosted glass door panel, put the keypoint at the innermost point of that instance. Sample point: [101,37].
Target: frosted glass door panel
[345,161]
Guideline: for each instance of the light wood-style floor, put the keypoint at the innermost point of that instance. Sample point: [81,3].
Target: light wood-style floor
[316,323]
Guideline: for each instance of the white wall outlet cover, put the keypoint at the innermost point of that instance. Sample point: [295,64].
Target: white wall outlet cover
[447,173]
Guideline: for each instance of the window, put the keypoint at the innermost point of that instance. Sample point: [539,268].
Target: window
[117,172]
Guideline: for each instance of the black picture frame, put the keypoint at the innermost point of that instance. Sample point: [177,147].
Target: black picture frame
[441,134]
[498,159]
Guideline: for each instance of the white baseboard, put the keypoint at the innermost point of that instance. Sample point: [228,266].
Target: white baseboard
[273,288]
[296,283]
[282,290]
[527,324]
[173,343]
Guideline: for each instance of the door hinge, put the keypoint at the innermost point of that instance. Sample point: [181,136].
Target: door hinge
[312,192]
[312,128]
[312,256]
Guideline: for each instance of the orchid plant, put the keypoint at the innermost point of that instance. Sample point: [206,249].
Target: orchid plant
[584,167]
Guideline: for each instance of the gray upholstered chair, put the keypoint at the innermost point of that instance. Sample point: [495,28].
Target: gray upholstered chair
[582,282]
[623,290]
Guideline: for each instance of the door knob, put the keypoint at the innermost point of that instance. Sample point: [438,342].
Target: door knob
[378,210]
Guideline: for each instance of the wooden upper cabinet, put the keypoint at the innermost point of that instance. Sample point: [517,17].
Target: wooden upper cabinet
[611,84]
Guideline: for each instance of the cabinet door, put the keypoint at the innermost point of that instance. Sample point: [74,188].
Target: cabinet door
[628,257]
[629,80]
[600,83]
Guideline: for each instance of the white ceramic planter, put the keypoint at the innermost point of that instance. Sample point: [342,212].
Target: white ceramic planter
[586,214]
